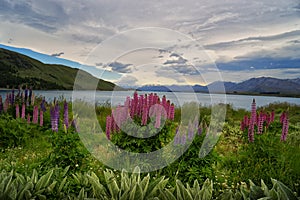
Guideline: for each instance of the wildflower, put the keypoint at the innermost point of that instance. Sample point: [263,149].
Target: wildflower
[145,115]
[172,112]
[35,115]
[23,111]
[260,123]
[54,116]
[190,131]
[28,118]
[285,127]
[41,117]
[66,115]
[177,136]
[75,125]
[42,105]
[158,116]
[252,122]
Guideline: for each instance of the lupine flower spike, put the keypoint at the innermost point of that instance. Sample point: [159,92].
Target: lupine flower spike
[252,122]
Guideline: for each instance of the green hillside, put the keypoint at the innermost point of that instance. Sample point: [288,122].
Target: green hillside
[17,69]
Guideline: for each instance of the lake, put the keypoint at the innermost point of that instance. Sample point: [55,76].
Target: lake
[178,98]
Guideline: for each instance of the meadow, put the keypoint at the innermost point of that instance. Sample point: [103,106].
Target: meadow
[42,157]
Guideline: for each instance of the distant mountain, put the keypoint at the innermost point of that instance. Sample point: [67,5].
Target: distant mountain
[266,85]
[262,85]
[17,69]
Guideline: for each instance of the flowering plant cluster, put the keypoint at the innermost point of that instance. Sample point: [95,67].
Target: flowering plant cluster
[262,119]
[143,108]
[25,106]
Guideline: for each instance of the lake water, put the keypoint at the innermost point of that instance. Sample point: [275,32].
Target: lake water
[178,98]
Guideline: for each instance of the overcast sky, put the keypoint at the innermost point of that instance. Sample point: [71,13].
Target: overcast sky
[243,38]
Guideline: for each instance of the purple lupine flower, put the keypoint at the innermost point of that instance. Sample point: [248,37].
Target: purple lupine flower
[35,115]
[23,111]
[108,126]
[17,111]
[54,115]
[41,118]
[252,122]
[75,125]
[183,139]
[200,130]
[190,131]
[285,127]
[28,118]
[42,105]
[177,136]
[66,114]
[30,95]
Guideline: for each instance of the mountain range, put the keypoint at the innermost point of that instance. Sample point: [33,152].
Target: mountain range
[17,69]
[261,85]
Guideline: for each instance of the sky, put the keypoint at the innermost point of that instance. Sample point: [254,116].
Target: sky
[139,42]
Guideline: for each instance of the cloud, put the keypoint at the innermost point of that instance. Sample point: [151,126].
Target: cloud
[57,54]
[234,32]
[127,81]
[120,67]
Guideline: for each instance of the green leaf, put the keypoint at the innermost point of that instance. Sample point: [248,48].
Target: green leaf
[285,192]
[182,191]
[44,180]
[265,188]
[62,184]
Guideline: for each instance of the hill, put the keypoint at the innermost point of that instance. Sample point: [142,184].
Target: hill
[17,69]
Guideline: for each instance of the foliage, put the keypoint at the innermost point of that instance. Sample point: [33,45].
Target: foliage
[14,132]
[56,184]
[67,150]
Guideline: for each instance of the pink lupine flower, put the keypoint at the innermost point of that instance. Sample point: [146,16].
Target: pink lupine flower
[282,117]
[35,115]
[17,111]
[272,116]
[23,111]
[260,123]
[252,122]
[285,127]
[145,115]
[157,116]
[28,118]
[172,111]
[41,118]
